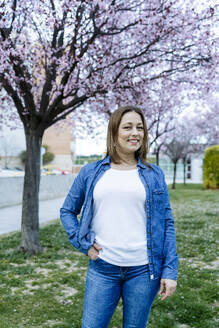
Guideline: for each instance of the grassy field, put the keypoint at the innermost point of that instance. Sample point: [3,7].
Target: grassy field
[47,290]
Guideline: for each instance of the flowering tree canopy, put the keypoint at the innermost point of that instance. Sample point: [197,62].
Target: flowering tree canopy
[208,121]
[55,55]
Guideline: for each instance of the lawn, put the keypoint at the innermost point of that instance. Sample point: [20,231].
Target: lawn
[47,290]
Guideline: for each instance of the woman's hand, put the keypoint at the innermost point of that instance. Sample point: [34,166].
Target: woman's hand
[93,252]
[167,288]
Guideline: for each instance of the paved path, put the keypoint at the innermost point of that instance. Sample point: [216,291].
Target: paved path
[10,217]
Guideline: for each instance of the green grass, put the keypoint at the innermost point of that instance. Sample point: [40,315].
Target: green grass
[47,290]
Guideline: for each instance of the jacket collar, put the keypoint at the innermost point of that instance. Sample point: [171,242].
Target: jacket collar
[140,164]
[106,161]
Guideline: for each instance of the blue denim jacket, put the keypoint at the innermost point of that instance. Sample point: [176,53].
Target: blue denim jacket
[161,241]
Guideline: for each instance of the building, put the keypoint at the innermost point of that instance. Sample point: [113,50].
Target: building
[194,169]
[60,142]
[12,143]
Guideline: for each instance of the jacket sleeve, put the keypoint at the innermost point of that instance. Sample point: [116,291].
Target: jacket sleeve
[71,208]
[170,265]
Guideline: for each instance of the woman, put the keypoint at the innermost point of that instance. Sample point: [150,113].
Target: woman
[126,227]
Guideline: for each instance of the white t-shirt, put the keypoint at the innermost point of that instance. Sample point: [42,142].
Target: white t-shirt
[119,218]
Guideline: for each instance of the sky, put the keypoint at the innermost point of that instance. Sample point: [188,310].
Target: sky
[91,146]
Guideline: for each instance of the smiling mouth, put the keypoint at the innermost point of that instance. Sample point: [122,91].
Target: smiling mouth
[133,141]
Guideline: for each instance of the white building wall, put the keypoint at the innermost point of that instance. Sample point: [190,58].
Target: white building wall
[197,170]
[63,162]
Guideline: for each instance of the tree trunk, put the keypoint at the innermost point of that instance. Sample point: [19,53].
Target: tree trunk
[30,210]
[174,177]
[157,157]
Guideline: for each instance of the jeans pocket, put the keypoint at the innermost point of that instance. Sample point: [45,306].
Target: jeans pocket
[99,260]
[102,264]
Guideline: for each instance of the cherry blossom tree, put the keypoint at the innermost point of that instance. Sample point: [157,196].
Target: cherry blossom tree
[164,110]
[185,140]
[174,150]
[208,121]
[58,56]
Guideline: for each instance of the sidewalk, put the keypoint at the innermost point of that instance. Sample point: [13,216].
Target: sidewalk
[10,217]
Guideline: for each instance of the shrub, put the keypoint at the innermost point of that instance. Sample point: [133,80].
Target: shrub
[48,157]
[46,147]
[211,167]
[23,156]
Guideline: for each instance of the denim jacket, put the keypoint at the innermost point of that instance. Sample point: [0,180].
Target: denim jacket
[161,241]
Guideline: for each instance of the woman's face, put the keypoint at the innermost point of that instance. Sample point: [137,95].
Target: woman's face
[130,133]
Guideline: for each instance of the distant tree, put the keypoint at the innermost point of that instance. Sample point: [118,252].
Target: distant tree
[184,141]
[174,150]
[23,155]
[164,110]
[208,121]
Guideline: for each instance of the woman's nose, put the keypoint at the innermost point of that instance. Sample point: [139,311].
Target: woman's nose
[134,131]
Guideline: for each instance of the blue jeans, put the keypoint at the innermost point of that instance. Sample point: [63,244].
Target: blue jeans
[105,284]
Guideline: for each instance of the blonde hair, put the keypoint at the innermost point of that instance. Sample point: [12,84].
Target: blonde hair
[112,134]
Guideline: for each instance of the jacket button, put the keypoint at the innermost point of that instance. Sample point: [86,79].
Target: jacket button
[149,247]
[149,232]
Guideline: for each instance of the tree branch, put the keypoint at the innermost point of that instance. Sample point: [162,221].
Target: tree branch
[25,87]
[16,99]
[6,31]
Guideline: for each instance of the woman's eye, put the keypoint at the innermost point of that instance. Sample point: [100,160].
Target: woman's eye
[140,128]
[126,127]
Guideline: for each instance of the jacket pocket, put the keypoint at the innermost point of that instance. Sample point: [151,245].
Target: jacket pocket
[158,197]
[159,191]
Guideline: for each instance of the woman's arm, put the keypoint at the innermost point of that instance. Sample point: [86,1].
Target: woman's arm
[170,265]
[71,208]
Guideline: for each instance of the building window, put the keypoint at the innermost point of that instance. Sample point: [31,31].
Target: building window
[189,169]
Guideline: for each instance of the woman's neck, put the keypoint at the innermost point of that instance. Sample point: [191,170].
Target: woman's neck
[126,162]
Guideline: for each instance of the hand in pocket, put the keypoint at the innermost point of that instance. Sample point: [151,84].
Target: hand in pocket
[93,252]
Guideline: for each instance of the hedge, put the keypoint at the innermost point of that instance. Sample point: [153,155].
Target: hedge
[48,157]
[211,168]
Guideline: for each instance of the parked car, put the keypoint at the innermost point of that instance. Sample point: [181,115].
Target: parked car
[65,172]
[51,170]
